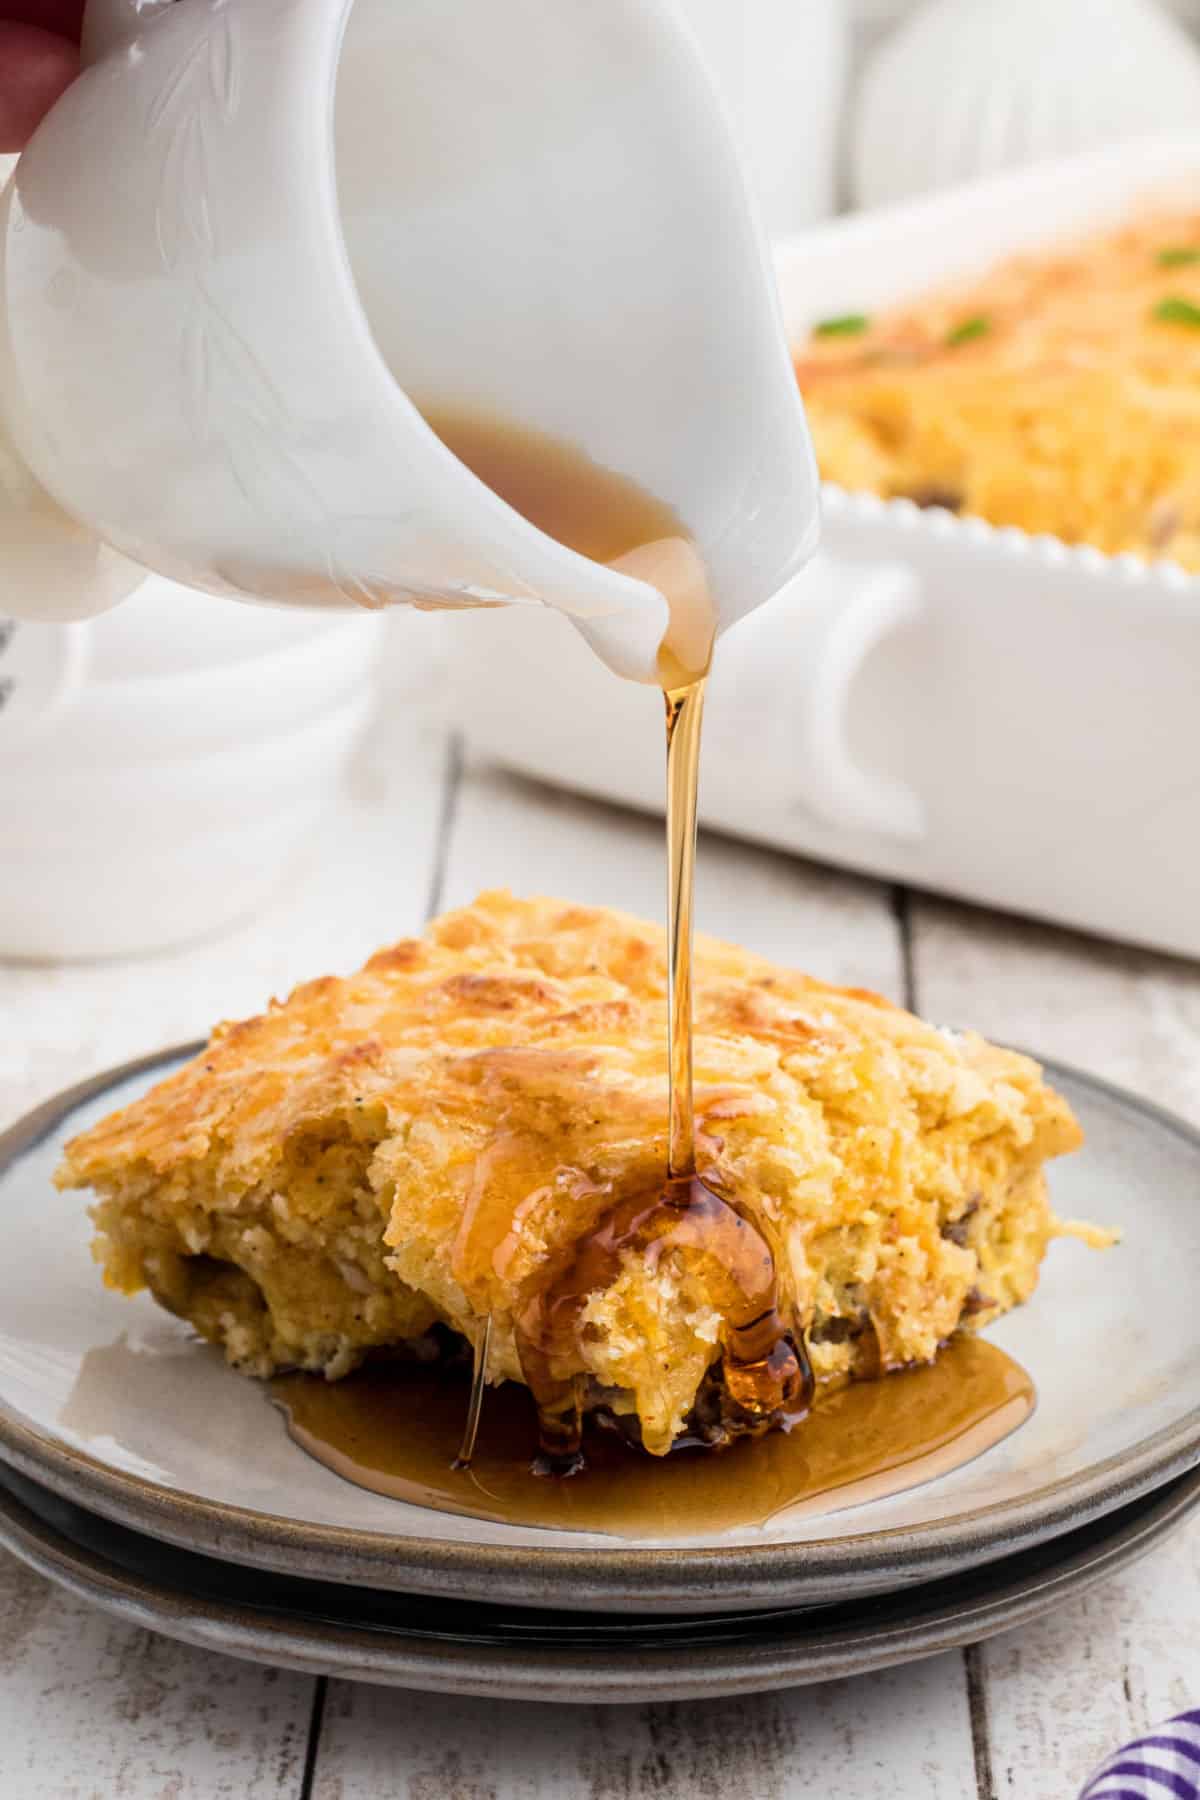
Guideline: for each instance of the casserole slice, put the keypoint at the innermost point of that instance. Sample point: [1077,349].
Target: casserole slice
[428,1142]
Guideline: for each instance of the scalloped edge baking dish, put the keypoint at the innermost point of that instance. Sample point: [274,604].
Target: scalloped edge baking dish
[939,702]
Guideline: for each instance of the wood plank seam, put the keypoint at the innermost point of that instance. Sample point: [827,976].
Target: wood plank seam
[452,782]
[901,904]
[902,910]
[978,1709]
[451,788]
[316,1720]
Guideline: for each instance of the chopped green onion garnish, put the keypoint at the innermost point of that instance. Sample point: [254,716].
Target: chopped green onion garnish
[969,330]
[846,325]
[1175,310]
[1180,256]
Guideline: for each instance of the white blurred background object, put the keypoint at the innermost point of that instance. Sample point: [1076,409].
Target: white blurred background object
[186,774]
[782,67]
[869,19]
[965,88]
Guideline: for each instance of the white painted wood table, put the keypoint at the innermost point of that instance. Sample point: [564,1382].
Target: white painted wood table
[91,1709]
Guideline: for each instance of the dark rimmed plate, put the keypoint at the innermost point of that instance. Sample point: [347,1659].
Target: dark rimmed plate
[462,1647]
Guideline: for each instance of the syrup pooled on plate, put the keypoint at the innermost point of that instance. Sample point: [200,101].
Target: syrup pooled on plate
[395,1431]
[765,1374]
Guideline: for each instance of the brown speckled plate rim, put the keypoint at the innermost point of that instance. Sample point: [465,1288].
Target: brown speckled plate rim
[791,1656]
[815,1571]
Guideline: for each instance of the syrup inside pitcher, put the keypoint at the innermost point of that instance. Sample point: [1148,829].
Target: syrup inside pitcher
[599,513]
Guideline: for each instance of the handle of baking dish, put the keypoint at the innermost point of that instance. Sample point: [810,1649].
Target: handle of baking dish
[859,606]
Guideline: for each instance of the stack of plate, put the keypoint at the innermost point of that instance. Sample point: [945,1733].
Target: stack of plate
[195,758]
[138,1471]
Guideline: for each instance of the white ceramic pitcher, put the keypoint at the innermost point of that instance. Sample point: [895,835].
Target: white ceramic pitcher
[256,235]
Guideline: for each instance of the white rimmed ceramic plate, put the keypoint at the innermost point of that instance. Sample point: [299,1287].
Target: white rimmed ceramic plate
[114,1404]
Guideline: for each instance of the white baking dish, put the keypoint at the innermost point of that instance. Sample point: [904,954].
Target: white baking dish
[939,702]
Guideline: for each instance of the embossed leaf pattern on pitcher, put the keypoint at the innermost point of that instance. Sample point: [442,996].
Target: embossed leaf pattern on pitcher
[228,397]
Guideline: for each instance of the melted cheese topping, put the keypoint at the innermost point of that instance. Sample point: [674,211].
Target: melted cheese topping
[1060,393]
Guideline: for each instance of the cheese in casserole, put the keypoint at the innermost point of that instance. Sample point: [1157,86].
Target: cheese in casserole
[1060,393]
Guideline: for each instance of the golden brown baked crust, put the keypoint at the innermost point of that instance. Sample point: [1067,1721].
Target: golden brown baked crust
[413,1143]
[1060,393]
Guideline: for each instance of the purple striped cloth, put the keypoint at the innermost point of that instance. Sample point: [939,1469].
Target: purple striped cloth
[1163,1765]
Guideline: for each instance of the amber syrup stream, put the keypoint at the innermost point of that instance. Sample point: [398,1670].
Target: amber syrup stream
[393,1430]
[601,514]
